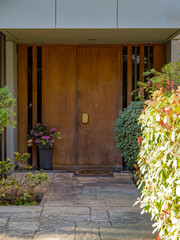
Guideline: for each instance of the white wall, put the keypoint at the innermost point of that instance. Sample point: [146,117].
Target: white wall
[89,14]
[86,14]
[11,80]
[148,14]
[27,13]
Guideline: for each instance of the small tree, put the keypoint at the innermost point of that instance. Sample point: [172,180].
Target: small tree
[159,162]
[6,109]
[127,130]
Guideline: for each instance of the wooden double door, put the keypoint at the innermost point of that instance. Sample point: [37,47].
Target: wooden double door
[69,81]
[80,98]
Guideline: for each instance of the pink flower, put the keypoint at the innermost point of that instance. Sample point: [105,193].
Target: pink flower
[45,137]
[52,140]
[37,141]
[32,132]
[37,124]
[53,129]
[44,124]
[36,134]
[40,133]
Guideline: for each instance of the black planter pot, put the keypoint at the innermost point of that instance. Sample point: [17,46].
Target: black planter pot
[45,157]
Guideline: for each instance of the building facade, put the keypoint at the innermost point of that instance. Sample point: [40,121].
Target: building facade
[66,59]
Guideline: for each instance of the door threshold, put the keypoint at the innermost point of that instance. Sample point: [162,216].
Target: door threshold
[86,173]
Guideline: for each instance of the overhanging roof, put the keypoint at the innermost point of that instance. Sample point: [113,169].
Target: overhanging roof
[81,36]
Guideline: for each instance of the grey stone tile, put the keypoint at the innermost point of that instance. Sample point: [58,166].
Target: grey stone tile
[25,217]
[87,231]
[119,202]
[63,203]
[53,236]
[23,226]
[13,209]
[65,211]
[124,234]
[6,236]
[90,202]
[128,214]
[99,215]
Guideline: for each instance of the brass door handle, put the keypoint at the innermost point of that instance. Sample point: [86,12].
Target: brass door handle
[85,118]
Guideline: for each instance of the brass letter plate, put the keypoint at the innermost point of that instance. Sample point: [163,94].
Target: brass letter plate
[84,118]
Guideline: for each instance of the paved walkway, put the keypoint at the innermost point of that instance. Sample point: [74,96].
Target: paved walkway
[79,208]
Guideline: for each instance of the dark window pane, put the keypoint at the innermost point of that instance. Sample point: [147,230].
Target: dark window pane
[124,77]
[39,84]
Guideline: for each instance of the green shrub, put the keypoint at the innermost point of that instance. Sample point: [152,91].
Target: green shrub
[127,130]
[159,163]
[167,79]
[6,109]
[19,189]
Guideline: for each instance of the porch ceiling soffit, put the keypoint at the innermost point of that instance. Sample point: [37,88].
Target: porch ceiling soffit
[81,36]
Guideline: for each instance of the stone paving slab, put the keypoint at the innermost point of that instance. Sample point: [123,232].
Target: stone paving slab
[79,208]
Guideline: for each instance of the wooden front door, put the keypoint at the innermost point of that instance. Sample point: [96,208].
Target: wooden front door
[58,83]
[97,90]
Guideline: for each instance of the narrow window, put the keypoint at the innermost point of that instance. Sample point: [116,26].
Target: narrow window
[39,84]
[124,77]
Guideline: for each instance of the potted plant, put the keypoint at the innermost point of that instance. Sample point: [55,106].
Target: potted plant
[45,138]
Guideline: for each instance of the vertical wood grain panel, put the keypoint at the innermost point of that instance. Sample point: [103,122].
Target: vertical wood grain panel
[97,96]
[34,102]
[22,99]
[159,57]
[129,75]
[58,99]
[120,79]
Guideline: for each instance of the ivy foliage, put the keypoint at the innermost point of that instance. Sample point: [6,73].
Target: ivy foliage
[127,130]
[159,162]
[6,109]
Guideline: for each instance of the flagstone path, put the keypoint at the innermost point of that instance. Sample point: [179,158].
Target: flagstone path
[79,208]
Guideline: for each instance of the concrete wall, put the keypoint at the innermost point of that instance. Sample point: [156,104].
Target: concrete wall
[89,14]
[11,81]
[27,13]
[175,50]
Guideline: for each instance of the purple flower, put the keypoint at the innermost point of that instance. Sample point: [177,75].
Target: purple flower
[36,134]
[53,129]
[150,81]
[40,133]
[37,141]
[45,137]
[32,132]
[37,124]
[52,140]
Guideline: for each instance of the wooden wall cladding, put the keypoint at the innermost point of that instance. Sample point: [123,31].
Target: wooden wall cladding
[59,99]
[22,100]
[159,57]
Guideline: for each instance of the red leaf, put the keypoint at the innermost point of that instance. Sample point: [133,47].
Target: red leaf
[165,212]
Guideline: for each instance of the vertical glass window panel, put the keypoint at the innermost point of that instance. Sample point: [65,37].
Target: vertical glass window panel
[138,68]
[145,58]
[151,57]
[39,84]
[124,77]
[29,68]
[133,70]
